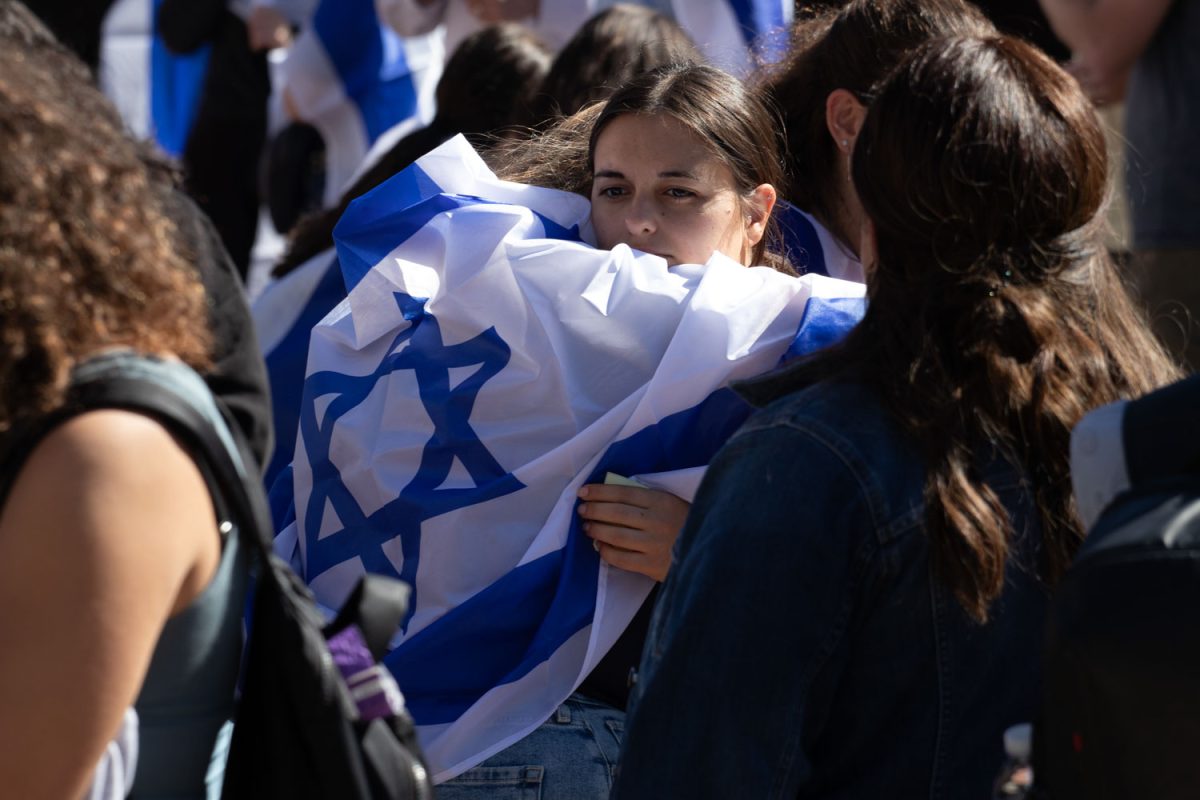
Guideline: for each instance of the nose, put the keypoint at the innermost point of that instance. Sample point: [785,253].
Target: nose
[640,220]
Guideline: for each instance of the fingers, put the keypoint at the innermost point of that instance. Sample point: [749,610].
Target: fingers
[632,528]
[616,514]
[632,539]
[652,565]
[631,505]
[615,493]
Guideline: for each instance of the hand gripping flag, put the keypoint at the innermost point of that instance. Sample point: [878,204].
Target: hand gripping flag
[486,363]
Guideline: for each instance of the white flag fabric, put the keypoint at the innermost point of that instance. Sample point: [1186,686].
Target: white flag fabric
[486,363]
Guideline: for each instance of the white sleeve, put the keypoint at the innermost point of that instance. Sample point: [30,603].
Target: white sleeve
[113,778]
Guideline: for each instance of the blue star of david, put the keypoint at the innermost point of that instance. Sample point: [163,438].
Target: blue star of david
[449,409]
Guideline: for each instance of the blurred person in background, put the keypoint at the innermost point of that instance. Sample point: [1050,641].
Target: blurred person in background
[1145,52]
[610,48]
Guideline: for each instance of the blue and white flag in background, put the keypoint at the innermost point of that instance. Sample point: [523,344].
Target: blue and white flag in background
[157,92]
[737,35]
[486,363]
[355,79]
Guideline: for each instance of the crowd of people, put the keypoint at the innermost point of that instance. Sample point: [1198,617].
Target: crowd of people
[849,603]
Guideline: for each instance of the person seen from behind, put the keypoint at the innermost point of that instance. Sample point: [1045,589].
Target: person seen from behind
[122,598]
[857,601]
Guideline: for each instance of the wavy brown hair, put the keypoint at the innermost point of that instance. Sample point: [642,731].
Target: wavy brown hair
[996,318]
[851,46]
[88,259]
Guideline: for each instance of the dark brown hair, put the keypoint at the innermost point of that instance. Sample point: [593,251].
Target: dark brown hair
[851,47]
[612,47]
[728,118]
[487,85]
[995,316]
[88,257]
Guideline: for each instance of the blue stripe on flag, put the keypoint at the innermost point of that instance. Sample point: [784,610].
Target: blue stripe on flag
[826,321]
[389,215]
[801,244]
[176,83]
[520,620]
[369,60]
[288,362]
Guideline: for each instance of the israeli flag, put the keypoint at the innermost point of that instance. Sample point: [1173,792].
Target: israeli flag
[486,363]
[355,80]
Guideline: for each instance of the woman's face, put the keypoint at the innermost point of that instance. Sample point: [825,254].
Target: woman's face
[659,189]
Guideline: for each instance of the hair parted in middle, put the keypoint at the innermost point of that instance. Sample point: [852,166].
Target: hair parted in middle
[730,119]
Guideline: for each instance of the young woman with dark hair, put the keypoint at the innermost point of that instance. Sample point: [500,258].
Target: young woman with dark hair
[681,164]
[856,605]
[709,176]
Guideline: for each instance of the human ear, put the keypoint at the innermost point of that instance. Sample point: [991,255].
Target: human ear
[758,204]
[844,116]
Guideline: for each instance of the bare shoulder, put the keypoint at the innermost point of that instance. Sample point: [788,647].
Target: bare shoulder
[117,486]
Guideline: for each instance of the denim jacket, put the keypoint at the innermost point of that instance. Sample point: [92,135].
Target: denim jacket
[802,646]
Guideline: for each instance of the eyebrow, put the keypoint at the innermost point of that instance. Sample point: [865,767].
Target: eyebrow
[673,173]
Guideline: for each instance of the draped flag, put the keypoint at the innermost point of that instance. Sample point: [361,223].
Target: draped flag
[284,315]
[354,79]
[486,363]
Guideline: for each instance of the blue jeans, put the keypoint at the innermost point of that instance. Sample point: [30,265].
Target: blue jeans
[571,756]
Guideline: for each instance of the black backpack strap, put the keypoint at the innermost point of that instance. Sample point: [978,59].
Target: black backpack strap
[377,606]
[227,481]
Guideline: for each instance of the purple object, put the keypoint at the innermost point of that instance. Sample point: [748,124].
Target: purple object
[371,685]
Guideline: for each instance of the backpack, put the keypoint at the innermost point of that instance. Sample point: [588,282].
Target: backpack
[318,715]
[1121,710]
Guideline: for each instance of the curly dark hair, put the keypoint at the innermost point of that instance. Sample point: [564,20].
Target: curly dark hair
[88,258]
